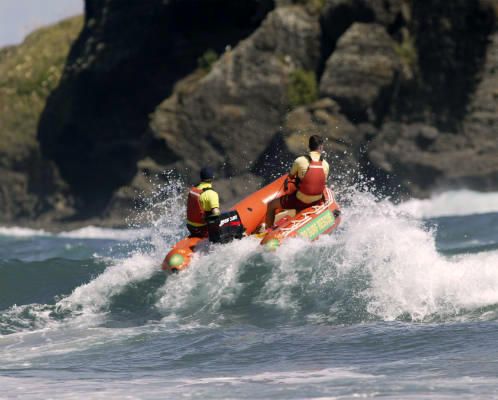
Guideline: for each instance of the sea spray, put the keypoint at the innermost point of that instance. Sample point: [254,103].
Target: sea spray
[311,320]
[452,203]
[139,252]
[381,264]
[158,219]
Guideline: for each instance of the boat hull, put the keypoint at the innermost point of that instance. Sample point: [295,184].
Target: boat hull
[309,223]
[252,213]
[180,256]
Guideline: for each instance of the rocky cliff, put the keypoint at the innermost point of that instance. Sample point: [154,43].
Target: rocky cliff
[405,92]
[30,185]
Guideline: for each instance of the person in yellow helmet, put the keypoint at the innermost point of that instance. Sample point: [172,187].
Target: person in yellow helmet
[202,202]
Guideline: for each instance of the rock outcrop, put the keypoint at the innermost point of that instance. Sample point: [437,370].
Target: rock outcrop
[404,91]
[124,64]
[362,73]
[30,186]
[230,115]
[422,156]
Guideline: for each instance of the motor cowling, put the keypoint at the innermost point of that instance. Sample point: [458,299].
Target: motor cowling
[225,227]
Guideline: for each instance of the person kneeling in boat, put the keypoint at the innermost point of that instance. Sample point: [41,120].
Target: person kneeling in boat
[310,174]
[202,202]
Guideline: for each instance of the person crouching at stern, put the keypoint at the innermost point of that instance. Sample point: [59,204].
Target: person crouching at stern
[202,203]
[310,173]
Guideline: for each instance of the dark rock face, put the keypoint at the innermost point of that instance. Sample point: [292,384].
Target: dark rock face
[423,158]
[451,39]
[481,122]
[123,65]
[338,15]
[362,72]
[482,118]
[29,189]
[407,94]
[229,116]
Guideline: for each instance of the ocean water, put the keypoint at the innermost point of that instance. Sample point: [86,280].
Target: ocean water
[401,302]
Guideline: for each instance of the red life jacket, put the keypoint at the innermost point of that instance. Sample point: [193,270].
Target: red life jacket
[195,212]
[314,180]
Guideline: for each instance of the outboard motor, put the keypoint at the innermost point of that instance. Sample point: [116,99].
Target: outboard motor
[225,227]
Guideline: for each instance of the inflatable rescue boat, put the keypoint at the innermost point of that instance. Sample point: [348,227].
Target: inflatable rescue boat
[246,217]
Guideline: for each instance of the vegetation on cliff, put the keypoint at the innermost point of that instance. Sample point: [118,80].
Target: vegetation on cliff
[29,184]
[302,88]
[28,73]
[206,61]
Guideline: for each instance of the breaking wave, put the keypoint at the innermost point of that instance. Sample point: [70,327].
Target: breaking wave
[381,264]
[88,232]
[451,203]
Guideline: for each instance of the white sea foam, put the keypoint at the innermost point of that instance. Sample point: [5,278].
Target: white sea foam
[90,301]
[93,232]
[298,377]
[154,387]
[93,297]
[459,202]
[88,304]
[381,257]
[210,282]
[329,383]
[16,231]
[408,275]
[88,232]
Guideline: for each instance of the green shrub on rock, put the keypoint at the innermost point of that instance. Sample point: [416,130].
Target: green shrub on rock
[303,88]
[206,61]
[407,50]
[28,73]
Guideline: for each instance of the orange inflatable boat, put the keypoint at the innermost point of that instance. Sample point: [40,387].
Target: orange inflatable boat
[250,214]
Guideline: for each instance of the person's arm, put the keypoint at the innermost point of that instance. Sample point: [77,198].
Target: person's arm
[326,168]
[214,203]
[294,170]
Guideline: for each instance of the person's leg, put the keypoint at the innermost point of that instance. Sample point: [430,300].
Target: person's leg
[270,212]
